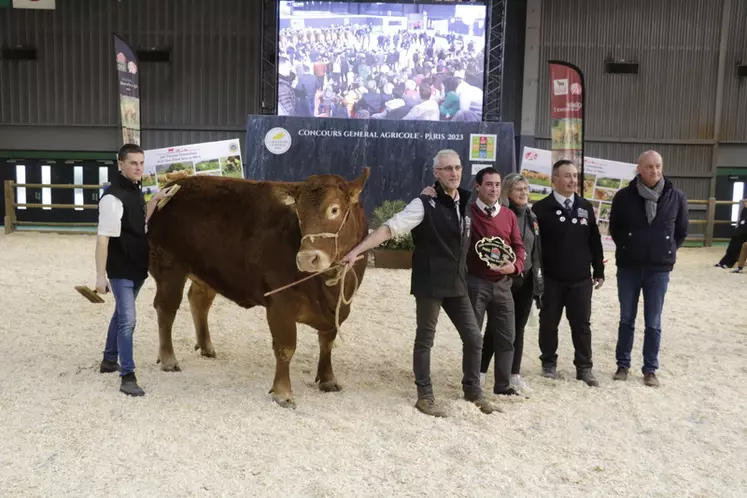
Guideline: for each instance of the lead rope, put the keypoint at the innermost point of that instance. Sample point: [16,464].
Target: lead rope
[342,271]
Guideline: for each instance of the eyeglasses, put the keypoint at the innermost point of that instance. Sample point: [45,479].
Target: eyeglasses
[450,169]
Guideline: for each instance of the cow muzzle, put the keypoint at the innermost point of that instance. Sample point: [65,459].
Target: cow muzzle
[313,260]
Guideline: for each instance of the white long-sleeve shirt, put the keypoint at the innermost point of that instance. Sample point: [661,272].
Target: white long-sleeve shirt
[406,220]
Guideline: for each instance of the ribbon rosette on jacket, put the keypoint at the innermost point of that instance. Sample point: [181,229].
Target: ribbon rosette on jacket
[495,252]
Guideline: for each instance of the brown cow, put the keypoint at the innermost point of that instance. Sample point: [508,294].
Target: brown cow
[243,238]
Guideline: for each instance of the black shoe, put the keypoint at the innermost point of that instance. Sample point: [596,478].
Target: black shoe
[108,366]
[508,392]
[549,371]
[621,374]
[129,385]
[588,377]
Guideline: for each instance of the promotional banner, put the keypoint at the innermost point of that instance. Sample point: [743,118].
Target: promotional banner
[221,158]
[602,180]
[567,114]
[129,91]
[399,153]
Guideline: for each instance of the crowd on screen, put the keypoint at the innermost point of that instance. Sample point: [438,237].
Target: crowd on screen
[356,72]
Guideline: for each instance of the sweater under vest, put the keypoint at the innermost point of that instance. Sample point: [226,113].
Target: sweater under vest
[127,256]
[503,225]
[441,242]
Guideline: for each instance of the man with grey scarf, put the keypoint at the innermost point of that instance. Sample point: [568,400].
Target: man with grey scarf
[648,223]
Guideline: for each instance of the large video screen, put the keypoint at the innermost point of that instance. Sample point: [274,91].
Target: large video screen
[409,61]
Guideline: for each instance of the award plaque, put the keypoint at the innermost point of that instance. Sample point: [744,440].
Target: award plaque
[495,252]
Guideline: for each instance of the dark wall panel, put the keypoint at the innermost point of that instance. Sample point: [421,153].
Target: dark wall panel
[207,89]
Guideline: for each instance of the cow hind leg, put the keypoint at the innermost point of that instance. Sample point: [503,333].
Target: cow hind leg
[283,329]
[201,297]
[169,290]
[324,374]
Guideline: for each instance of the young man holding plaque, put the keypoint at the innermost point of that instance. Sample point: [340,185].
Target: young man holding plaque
[441,232]
[571,244]
[496,253]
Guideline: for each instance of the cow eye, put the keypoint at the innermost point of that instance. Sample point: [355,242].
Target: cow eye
[333,211]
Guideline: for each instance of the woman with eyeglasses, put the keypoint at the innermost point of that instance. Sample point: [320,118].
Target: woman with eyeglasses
[529,285]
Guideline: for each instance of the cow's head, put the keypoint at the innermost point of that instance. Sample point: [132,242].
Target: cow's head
[330,217]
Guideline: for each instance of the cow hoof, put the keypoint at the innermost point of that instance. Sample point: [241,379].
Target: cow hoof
[168,366]
[208,352]
[284,401]
[330,387]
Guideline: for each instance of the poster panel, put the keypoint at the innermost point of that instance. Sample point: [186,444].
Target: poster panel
[602,180]
[567,114]
[222,158]
[129,91]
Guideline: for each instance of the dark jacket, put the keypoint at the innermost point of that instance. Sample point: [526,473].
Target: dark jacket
[639,244]
[569,249]
[530,224]
[439,267]
[127,255]
[741,228]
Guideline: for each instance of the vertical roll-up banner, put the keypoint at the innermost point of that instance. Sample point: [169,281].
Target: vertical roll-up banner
[129,91]
[567,115]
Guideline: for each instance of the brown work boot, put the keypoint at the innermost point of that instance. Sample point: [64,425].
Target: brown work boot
[430,407]
[650,379]
[483,404]
[621,374]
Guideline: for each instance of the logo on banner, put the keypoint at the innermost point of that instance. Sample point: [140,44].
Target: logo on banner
[121,63]
[482,147]
[278,140]
[494,251]
[560,87]
[233,147]
[576,89]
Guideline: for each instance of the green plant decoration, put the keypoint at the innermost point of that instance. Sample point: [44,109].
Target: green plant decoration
[382,213]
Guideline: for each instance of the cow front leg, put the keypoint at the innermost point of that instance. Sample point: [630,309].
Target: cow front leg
[324,374]
[169,289]
[201,298]
[283,329]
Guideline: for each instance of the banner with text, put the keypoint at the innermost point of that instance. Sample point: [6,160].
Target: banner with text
[129,91]
[222,158]
[399,153]
[567,113]
[602,180]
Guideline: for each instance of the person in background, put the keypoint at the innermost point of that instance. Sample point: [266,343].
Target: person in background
[738,239]
[648,223]
[122,256]
[440,229]
[529,286]
[571,244]
[741,260]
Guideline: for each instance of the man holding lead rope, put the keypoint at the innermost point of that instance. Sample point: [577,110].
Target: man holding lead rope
[441,232]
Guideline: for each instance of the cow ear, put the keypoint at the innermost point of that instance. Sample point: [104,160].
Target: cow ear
[286,194]
[355,187]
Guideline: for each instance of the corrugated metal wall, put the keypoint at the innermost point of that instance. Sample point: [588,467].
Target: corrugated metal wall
[204,93]
[670,105]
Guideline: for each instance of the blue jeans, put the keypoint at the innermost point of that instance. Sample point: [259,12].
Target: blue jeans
[122,324]
[630,282]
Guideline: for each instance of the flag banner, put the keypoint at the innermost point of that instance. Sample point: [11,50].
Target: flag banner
[602,179]
[567,115]
[30,4]
[129,91]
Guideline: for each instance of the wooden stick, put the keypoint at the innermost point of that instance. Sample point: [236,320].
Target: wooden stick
[89,294]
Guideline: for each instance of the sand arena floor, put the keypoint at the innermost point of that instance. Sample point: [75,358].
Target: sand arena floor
[211,430]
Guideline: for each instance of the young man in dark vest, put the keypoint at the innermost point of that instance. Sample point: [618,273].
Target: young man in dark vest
[122,256]
[441,232]
[571,244]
